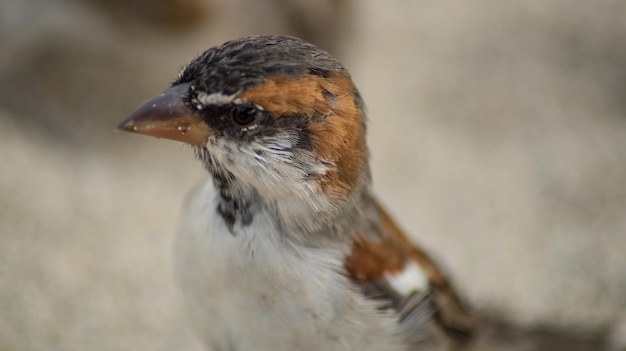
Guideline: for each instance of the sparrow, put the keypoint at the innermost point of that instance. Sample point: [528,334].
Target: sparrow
[284,246]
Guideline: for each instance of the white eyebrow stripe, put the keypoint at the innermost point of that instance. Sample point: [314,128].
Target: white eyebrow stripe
[217,99]
[411,278]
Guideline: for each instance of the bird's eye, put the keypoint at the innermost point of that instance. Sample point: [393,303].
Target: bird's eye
[243,115]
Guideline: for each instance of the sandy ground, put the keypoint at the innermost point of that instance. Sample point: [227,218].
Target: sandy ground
[498,135]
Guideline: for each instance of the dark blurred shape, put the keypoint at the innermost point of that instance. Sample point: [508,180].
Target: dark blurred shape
[315,21]
[61,87]
[500,336]
[163,14]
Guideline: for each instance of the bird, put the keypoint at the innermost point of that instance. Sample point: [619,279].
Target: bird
[285,246]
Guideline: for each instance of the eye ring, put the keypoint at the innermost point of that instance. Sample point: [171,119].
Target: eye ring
[243,115]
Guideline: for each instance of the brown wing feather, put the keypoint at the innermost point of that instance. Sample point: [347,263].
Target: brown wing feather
[381,249]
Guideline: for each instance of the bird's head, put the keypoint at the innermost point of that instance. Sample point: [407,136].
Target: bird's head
[271,112]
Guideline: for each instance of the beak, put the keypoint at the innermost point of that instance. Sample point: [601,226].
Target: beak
[166,116]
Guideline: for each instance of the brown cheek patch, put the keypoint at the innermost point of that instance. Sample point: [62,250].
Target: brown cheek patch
[341,138]
[335,122]
[284,96]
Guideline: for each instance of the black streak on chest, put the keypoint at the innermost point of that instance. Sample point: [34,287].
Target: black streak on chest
[232,207]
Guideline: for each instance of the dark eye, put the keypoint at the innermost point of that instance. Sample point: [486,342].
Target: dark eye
[243,115]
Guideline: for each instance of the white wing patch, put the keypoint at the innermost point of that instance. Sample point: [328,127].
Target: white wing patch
[408,280]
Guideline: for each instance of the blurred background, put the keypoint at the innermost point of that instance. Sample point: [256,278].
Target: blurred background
[497,129]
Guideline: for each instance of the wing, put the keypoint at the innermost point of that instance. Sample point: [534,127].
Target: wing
[389,268]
